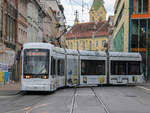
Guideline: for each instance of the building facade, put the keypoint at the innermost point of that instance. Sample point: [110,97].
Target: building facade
[132,29]
[121,25]
[57,23]
[98,11]
[140,31]
[22,22]
[88,36]
[32,20]
[8,31]
[0,19]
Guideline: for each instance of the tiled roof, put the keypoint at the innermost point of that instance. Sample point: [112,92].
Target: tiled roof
[86,30]
[97,4]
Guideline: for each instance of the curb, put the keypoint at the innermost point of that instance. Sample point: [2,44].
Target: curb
[142,87]
[9,93]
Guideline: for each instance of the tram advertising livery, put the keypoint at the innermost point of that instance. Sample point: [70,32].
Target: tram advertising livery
[46,68]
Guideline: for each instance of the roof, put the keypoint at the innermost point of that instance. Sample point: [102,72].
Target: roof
[37,45]
[125,56]
[86,30]
[97,4]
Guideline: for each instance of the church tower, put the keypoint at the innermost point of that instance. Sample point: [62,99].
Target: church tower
[76,21]
[98,11]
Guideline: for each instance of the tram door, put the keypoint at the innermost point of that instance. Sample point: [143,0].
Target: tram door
[72,70]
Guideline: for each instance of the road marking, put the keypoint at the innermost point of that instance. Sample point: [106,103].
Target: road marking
[2,97]
[29,109]
[147,89]
[15,111]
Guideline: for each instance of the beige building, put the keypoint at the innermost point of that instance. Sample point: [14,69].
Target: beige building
[121,25]
[57,23]
[22,22]
[8,31]
[88,36]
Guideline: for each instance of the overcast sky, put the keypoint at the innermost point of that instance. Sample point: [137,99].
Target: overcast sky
[71,6]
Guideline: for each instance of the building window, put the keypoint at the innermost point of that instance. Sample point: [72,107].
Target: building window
[83,45]
[139,33]
[134,34]
[71,45]
[141,6]
[77,44]
[143,30]
[103,43]
[90,45]
[97,43]
[68,44]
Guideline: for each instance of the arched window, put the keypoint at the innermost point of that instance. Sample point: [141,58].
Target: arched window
[83,45]
[71,46]
[90,45]
[97,43]
[77,44]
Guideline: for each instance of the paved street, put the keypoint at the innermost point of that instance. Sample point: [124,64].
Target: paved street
[113,99]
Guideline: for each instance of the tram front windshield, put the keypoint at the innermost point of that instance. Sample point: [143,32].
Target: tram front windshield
[36,62]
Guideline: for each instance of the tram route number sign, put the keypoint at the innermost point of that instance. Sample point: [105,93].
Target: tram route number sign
[36,54]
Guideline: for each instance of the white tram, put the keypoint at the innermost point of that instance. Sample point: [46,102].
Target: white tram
[93,68]
[125,68]
[46,68]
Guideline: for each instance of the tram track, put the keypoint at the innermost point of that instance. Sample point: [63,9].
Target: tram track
[73,101]
[100,101]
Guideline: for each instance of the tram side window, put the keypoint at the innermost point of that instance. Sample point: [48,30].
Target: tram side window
[134,68]
[60,67]
[92,67]
[53,68]
[118,68]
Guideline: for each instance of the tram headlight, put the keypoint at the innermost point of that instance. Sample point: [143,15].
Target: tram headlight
[45,76]
[27,76]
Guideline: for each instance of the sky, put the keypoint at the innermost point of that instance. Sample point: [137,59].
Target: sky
[70,7]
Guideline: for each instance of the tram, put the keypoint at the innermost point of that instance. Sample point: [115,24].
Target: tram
[46,67]
[125,68]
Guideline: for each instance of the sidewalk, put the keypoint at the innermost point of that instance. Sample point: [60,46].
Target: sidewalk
[9,89]
[146,84]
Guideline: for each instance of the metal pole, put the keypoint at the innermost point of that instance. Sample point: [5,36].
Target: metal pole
[107,53]
[147,58]
[138,35]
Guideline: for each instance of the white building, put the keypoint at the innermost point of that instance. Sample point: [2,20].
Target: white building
[56,12]
[35,15]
